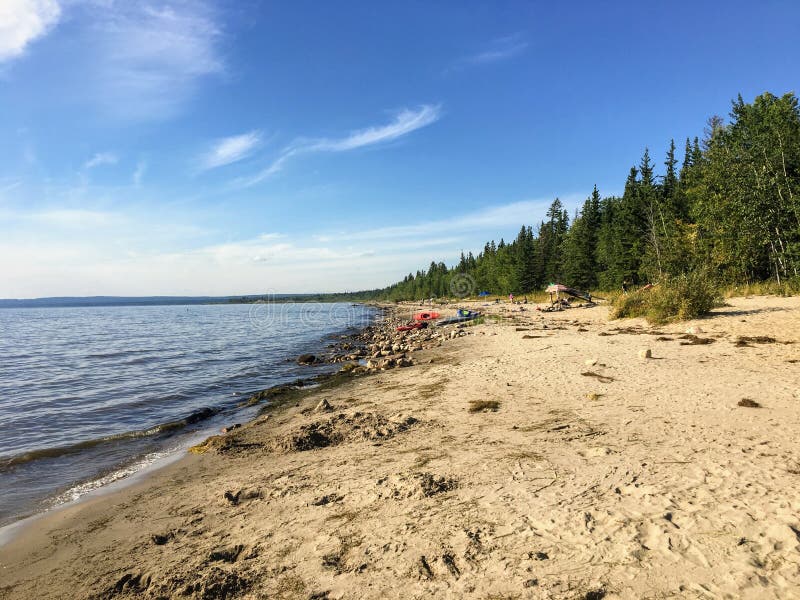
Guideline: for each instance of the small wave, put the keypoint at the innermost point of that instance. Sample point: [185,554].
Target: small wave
[26,457]
[119,353]
[81,489]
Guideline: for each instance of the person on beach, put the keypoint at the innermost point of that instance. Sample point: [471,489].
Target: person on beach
[511,298]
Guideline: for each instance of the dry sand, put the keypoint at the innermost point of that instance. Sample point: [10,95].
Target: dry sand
[599,474]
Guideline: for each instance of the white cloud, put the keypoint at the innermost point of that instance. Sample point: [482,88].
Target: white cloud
[231,149]
[22,21]
[100,159]
[148,61]
[404,123]
[497,50]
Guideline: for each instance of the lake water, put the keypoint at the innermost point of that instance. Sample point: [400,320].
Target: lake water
[90,395]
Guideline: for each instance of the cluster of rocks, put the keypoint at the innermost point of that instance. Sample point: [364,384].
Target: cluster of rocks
[380,346]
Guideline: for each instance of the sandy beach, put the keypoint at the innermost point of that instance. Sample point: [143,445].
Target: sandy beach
[535,455]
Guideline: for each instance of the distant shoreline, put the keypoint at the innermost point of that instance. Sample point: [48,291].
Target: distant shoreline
[102,301]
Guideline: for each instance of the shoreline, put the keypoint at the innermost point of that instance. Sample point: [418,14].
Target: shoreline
[87,488]
[533,456]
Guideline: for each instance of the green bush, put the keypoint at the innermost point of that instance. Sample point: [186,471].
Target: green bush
[678,298]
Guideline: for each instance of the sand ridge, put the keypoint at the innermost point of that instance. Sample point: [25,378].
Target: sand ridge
[595,473]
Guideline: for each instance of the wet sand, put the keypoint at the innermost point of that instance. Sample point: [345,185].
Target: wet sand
[535,456]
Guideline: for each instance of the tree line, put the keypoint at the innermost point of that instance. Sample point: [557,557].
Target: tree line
[730,207]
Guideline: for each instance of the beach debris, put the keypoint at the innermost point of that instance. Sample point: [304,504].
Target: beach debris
[230,428]
[594,396]
[228,555]
[694,330]
[598,376]
[483,406]
[690,339]
[795,531]
[538,555]
[432,484]
[590,362]
[206,445]
[747,341]
[323,406]
[748,403]
[645,353]
[531,583]
[450,562]
[306,359]
[327,499]
[243,494]
[160,539]
[332,561]
[424,568]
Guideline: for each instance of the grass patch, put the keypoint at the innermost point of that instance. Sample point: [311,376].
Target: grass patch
[431,390]
[673,299]
[478,321]
[483,406]
[764,288]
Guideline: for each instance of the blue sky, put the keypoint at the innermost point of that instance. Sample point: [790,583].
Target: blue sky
[200,147]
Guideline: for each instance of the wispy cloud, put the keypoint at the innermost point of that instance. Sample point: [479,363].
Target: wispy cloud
[7,186]
[497,50]
[230,149]
[100,159]
[149,60]
[492,218]
[138,174]
[22,21]
[73,218]
[404,123]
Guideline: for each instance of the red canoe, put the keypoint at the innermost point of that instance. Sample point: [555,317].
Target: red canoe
[410,327]
[426,316]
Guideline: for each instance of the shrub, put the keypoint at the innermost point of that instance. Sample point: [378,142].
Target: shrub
[789,287]
[677,298]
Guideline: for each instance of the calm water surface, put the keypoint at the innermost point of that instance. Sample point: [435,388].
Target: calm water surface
[89,395]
